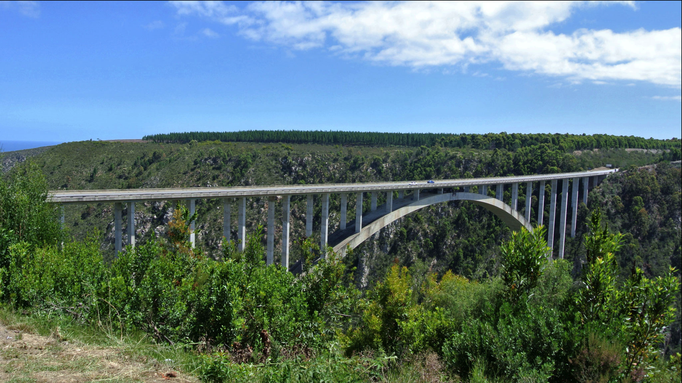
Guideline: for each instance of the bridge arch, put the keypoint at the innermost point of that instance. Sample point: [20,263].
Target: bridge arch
[510,217]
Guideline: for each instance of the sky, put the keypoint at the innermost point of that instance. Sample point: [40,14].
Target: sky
[72,71]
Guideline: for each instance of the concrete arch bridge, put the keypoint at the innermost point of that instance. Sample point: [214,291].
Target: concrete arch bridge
[411,196]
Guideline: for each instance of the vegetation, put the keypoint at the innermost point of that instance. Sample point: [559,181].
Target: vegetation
[511,142]
[530,319]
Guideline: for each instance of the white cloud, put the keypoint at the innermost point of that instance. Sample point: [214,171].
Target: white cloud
[26,8]
[516,35]
[209,33]
[158,24]
[668,98]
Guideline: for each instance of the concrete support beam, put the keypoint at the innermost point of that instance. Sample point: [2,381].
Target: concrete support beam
[515,196]
[574,206]
[131,224]
[227,210]
[192,224]
[400,194]
[440,191]
[344,208]
[270,254]
[374,201]
[483,189]
[358,212]
[62,222]
[118,208]
[241,222]
[466,189]
[541,203]
[562,219]
[416,194]
[529,199]
[499,192]
[389,201]
[586,187]
[286,213]
[324,226]
[552,216]
[309,216]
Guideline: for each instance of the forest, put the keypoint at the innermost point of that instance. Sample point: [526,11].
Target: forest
[512,142]
[448,294]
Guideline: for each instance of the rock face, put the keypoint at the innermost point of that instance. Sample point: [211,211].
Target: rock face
[11,159]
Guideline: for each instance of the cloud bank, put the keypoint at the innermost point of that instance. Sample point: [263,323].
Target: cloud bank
[421,35]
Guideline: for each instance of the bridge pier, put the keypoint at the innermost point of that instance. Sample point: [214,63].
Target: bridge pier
[499,193]
[117,227]
[309,216]
[324,226]
[529,198]
[541,203]
[416,195]
[389,201]
[241,222]
[374,201]
[344,207]
[483,189]
[562,219]
[226,219]
[131,224]
[270,254]
[358,212]
[192,224]
[286,213]
[515,196]
[400,194]
[552,216]
[574,206]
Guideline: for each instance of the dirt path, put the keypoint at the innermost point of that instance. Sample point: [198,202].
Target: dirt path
[27,357]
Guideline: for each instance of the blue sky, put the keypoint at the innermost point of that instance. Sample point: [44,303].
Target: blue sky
[76,71]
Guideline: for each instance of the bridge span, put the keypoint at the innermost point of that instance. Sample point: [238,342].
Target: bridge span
[411,196]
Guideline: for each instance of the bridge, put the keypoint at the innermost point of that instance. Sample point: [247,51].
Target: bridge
[411,196]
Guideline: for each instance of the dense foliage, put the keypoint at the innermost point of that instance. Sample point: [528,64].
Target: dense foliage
[512,142]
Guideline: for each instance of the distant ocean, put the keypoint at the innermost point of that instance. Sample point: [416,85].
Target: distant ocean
[10,146]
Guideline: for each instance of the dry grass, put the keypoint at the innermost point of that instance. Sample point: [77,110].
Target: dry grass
[26,356]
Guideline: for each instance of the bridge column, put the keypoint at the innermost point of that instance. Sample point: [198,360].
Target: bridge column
[358,212]
[309,216]
[541,203]
[286,204]
[574,206]
[241,222]
[562,219]
[269,260]
[595,181]
[416,194]
[344,207]
[466,189]
[483,189]
[192,207]
[324,226]
[62,222]
[552,216]
[118,208]
[389,201]
[400,194]
[586,187]
[499,193]
[529,198]
[515,196]
[131,224]
[440,191]
[226,219]
[374,201]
